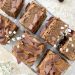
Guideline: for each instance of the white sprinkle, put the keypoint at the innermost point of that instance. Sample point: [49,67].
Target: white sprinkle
[70,39]
[18,38]
[55,45]
[66,25]
[58,37]
[35,40]
[61,49]
[53,38]
[23,36]
[14,32]
[67,50]
[72,45]
[69,30]
[8,42]
[18,46]
[30,26]
[62,27]
[13,39]
[7,36]
[10,32]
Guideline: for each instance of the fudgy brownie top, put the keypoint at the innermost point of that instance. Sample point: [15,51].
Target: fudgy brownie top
[6,26]
[53,30]
[28,49]
[52,65]
[68,48]
[33,16]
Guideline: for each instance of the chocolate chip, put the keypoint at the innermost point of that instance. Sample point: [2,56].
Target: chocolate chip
[60,0]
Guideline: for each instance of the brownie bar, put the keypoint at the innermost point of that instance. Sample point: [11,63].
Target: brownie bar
[52,65]
[68,48]
[52,32]
[33,17]
[12,7]
[7,29]
[28,49]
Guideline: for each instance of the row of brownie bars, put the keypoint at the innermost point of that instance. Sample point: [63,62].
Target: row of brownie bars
[31,19]
[29,48]
[33,16]
[54,31]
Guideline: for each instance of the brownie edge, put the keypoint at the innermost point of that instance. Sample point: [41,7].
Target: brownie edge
[68,48]
[28,49]
[52,64]
[12,7]
[33,17]
[53,30]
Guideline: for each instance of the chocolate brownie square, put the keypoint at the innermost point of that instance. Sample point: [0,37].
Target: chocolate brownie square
[68,48]
[12,7]
[7,29]
[28,49]
[33,17]
[52,64]
[53,30]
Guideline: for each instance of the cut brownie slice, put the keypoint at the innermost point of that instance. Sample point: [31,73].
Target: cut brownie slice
[53,30]
[68,48]
[33,17]
[12,7]
[52,65]
[28,49]
[6,29]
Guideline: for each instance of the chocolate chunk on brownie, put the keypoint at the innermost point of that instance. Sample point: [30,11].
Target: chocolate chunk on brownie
[53,31]
[28,49]
[12,7]
[52,64]
[6,29]
[68,48]
[33,17]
